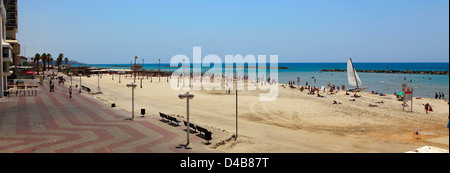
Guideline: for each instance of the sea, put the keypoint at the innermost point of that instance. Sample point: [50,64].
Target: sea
[423,85]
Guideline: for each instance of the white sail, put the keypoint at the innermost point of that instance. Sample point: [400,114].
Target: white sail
[353,78]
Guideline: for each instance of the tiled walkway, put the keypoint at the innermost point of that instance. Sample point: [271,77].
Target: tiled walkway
[53,122]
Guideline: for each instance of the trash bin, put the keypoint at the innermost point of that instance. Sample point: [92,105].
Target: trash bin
[113,105]
[142,112]
[208,136]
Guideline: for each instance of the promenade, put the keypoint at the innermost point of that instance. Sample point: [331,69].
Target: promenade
[51,122]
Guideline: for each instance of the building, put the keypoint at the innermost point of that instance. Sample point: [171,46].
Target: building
[10,45]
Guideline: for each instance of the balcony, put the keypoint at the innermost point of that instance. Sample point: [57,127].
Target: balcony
[7,59]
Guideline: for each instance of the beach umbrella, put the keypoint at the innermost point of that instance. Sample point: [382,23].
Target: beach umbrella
[400,94]
[31,72]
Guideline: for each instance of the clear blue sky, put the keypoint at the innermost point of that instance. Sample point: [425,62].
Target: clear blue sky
[114,31]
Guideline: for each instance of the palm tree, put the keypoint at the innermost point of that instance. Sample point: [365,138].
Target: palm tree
[51,62]
[49,59]
[59,60]
[66,60]
[37,57]
[44,58]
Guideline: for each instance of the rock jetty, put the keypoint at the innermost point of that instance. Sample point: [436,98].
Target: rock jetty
[391,71]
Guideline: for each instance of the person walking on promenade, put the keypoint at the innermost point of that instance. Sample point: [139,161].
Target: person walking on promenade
[70,91]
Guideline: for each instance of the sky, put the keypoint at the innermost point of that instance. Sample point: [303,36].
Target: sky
[115,31]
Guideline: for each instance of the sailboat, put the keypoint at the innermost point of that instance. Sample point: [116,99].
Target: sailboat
[353,78]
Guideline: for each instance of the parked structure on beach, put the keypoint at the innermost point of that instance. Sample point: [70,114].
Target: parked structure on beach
[10,45]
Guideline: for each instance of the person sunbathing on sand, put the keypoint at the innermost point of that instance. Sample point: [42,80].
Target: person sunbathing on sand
[371,105]
[353,100]
[357,96]
[336,103]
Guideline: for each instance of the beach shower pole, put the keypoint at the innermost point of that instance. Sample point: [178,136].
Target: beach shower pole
[187,96]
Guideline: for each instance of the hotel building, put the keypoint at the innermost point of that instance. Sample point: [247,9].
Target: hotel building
[10,45]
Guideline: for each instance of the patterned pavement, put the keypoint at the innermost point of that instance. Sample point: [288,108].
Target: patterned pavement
[54,123]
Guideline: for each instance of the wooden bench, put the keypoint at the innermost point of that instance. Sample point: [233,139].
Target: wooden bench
[191,126]
[173,119]
[207,134]
[163,116]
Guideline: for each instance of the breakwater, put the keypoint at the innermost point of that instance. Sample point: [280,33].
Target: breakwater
[391,71]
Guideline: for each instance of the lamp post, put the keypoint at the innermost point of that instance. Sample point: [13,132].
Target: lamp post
[134,69]
[237,107]
[159,71]
[183,72]
[70,74]
[80,83]
[98,81]
[187,96]
[132,86]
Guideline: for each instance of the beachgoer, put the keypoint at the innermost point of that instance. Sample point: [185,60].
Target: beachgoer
[435,95]
[70,91]
[416,132]
[426,107]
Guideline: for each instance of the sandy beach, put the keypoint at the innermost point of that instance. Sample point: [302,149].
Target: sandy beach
[294,123]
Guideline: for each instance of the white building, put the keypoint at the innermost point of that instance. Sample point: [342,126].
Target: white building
[10,45]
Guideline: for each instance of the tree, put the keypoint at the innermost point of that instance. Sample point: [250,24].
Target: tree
[59,60]
[37,57]
[49,59]
[44,58]
[66,60]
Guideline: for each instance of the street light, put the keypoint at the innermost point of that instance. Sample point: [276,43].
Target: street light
[159,71]
[70,74]
[98,82]
[183,72]
[134,70]
[133,86]
[80,83]
[187,96]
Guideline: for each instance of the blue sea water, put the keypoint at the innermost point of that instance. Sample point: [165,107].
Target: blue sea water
[424,85]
